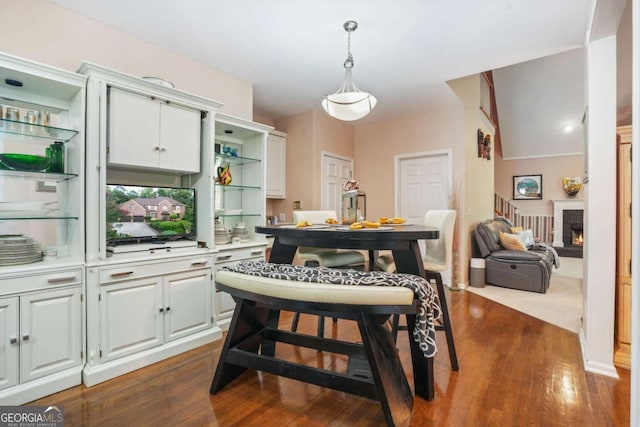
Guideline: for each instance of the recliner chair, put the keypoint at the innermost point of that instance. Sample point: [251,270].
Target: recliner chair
[527,270]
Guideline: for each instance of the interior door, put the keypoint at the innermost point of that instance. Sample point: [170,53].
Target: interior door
[336,171]
[424,184]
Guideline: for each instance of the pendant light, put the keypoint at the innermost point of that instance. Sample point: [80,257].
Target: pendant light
[349,103]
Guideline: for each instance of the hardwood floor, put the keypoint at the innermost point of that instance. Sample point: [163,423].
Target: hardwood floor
[514,370]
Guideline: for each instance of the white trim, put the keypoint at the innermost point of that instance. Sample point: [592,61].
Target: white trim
[323,179]
[542,157]
[595,367]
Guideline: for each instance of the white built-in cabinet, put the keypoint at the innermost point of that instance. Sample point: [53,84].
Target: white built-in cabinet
[168,301]
[148,132]
[276,165]
[41,315]
[152,300]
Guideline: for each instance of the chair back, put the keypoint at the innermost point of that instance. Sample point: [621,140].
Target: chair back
[439,252]
[314,217]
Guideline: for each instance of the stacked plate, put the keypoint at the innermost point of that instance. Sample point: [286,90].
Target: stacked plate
[18,249]
[240,231]
[221,236]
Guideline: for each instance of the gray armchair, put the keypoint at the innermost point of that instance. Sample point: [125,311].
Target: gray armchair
[527,270]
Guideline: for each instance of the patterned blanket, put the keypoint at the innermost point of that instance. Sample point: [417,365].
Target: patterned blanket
[424,333]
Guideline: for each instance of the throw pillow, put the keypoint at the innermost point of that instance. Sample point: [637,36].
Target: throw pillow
[512,242]
[527,237]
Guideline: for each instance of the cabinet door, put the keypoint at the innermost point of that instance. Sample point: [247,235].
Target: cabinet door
[50,333]
[276,167]
[179,139]
[187,303]
[134,130]
[9,342]
[130,317]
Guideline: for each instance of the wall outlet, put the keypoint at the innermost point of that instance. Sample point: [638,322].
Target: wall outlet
[282,217]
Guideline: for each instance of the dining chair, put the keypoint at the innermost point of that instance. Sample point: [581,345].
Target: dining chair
[437,258]
[323,257]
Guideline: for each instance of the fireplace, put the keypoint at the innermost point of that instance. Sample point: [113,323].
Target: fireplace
[568,227]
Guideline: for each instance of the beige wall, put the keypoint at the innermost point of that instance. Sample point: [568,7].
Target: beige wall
[477,187]
[552,169]
[43,32]
[376,146]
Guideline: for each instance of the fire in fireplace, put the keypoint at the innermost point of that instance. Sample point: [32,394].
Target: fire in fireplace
[576,235]
[572,235]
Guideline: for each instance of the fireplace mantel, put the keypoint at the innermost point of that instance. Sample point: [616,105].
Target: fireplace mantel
[558,207]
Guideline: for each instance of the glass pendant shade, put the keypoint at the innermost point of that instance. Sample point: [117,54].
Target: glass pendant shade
[349,103]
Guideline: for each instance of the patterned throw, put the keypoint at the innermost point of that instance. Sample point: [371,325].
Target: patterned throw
[424,333]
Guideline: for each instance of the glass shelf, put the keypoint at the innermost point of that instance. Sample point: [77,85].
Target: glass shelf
[38,176]
[231,187]
[234,161]
[236,215]
[26,217]
[32,130]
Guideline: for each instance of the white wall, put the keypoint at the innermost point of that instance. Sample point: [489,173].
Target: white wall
[600,226]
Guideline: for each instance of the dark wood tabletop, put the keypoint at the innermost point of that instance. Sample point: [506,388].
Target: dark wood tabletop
[402,240]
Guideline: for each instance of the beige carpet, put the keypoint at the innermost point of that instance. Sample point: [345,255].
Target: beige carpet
[561,305]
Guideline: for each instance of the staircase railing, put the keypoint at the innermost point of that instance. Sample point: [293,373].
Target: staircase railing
[541,225]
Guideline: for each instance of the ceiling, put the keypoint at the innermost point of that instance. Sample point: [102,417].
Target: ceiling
[404,52]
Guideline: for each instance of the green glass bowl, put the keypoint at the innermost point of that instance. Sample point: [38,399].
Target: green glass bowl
[25,162]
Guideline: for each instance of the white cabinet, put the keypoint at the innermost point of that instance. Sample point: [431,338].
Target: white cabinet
[39,200]
[163,308]
[240,148]
[169,302]
[276,165]
[148,132]
[41,334]
[223,303]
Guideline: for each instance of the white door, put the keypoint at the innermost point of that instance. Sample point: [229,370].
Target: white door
[336,171]
[424,184]
[187,303]
[130,317]
[51,333]
[10,342]
[179,138]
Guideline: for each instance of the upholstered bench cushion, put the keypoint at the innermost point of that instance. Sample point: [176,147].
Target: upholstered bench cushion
[316,292]
[376,287]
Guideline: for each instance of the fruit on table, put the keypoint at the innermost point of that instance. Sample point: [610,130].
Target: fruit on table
[303,223]
[356,226]
[331,221]
[397,220]
[383,220]
[369,224]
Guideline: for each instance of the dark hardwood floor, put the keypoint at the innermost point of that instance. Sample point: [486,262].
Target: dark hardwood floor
[514,370]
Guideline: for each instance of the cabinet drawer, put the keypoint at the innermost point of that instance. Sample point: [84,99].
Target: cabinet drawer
[133,271]
[238,254]
[32,281]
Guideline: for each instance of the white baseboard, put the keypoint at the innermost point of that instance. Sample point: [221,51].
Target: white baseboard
[607,369]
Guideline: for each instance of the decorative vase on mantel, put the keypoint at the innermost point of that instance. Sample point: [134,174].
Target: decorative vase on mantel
[572,186]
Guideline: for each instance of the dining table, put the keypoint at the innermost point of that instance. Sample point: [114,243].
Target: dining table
[401,239]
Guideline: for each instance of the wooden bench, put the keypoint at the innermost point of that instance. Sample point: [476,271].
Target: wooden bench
[253,334]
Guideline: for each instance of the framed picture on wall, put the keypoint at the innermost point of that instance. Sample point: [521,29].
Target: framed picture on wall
[527,187]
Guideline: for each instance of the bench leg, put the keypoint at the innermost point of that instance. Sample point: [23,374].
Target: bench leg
[248,320]
[423,375]
[391,383]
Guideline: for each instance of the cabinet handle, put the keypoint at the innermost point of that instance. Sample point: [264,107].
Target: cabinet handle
[161,309]
[163,149]
[13,341]
[157,148]
[168,309]
[124,273]
[256,253]
[61,278]
[25,337]
[198,263]
[223,258]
